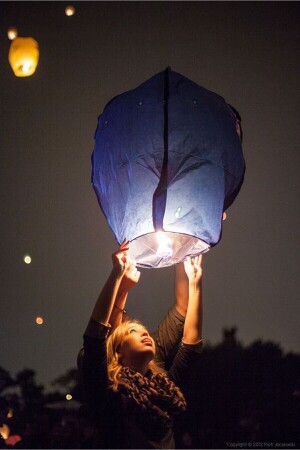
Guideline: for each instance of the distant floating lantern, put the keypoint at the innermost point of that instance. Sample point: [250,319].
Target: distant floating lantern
[167,163]
[23,56]
[27,259]
[39,320]
[4,431]
[12,33]
[69,397]
[70,10]
[10,413]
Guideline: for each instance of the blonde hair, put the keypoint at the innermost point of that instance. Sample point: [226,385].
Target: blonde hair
[112,346]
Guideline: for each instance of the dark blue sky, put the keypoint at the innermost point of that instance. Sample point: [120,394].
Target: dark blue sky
[245,51]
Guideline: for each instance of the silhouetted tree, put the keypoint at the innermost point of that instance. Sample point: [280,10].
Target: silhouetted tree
[6,379]
[244,393]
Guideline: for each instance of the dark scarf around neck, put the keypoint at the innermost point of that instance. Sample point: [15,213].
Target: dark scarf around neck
[155,397]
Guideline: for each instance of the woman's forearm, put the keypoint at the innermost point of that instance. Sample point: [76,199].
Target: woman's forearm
[118,311]
[104,305]
[110,305]
[192,332]
[181,289]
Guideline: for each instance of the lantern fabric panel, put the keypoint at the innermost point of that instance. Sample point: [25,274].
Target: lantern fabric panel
[195,203]
[168,157]
[125,174]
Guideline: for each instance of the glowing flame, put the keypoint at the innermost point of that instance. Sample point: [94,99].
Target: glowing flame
[26,67]
[164,249]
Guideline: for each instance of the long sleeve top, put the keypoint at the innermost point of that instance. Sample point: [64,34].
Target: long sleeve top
[117,424]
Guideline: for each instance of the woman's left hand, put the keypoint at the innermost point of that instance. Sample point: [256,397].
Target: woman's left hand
[193,269]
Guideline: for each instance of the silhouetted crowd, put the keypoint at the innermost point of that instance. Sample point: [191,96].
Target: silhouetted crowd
[243,397]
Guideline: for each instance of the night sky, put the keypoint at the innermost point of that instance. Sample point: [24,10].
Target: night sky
[246,52]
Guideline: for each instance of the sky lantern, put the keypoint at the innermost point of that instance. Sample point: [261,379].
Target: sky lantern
[12,33]
[27,259]
[39,320]
[23,56]
[167,163]
[4,431]
[70,10]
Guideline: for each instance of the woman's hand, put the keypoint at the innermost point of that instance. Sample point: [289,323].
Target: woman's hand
[130,278]
[192,331]
[193,269]
[124,267]
[120,258]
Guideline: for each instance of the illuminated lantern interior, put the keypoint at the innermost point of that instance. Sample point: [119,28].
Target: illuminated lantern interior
[167,163]
[23,56]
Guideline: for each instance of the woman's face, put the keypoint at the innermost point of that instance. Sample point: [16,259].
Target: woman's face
[137,344]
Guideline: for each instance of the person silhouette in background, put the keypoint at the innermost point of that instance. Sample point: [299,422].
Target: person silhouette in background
[132,379]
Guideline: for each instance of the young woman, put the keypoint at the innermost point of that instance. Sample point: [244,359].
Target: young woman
[132,380]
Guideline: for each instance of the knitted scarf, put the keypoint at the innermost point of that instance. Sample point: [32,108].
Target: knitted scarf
[155,397]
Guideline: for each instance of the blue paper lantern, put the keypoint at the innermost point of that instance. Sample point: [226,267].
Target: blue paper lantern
[167,162]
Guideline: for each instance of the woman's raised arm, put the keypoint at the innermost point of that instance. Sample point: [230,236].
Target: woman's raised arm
[110,305]
[192,332]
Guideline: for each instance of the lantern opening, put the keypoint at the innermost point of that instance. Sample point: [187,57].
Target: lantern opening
[25,67]
[163,248]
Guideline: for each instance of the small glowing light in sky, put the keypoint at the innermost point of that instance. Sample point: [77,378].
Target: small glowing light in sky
[70,10]
[224,215]
[164,245]
[69,397]
[4,431]
[10,413]
[39,320]
[12,33]
[27,259]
